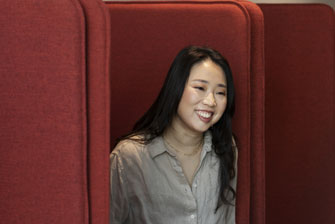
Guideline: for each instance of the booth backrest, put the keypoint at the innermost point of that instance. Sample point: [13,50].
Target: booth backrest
[257,114]
[145,38]
[43,113]
[53,113]
[300,148]
[97,22]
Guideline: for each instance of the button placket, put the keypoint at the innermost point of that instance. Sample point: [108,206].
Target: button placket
[193,218]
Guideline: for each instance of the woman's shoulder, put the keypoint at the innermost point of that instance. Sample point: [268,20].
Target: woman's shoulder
[130,149]
[130,145]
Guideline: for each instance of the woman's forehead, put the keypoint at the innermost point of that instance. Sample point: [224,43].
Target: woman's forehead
[207,72]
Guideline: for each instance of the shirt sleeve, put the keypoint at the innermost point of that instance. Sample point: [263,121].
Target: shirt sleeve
[119,204]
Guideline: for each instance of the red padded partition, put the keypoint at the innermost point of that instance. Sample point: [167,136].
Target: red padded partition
[257,144]
[98,103]
[146,36]
[54,114]
[300,149]
[43,113]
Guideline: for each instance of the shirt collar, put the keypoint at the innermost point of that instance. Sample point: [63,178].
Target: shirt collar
[157,146]
[207,141]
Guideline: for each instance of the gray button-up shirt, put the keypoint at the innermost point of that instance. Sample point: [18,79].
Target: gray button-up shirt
[148,186]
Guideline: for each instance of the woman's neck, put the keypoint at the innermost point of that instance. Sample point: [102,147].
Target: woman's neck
[182,140]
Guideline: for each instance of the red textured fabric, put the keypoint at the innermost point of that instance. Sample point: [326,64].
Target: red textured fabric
[257,82]
[146,36]
[98,96]
[42,113]
[299,57]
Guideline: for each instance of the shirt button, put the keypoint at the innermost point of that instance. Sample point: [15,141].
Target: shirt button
[194,185]
[192,216]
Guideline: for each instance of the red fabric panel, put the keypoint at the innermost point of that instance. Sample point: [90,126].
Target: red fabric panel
[147,36]
[98,49]
[257,82]
[42,113]
[299,57]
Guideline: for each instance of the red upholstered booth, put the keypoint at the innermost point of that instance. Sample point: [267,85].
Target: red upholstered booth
[299,118]
[97,23]
[146,36]
[57,58]
[257,113]
[54,113]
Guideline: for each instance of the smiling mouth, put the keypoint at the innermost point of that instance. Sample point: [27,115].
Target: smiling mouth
[204,115]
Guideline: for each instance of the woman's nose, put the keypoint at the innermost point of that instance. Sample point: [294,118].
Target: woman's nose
[210,100]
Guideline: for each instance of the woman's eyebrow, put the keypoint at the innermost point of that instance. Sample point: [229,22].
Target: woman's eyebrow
[204,81]
[222,85]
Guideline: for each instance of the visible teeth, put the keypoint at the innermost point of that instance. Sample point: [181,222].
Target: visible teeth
[204,114]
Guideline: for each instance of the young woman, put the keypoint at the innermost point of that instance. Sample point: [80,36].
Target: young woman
[178,165]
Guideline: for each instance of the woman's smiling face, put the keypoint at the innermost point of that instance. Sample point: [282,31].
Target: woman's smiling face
[204,98]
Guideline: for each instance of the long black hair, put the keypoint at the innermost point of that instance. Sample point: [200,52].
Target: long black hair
[159,116]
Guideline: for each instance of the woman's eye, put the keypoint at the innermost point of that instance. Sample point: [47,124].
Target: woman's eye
[199,88]
[221,93]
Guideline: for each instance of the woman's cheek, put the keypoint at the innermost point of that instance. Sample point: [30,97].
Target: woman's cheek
[191,96]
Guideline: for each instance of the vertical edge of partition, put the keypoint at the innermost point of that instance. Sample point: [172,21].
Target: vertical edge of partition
[98,97]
